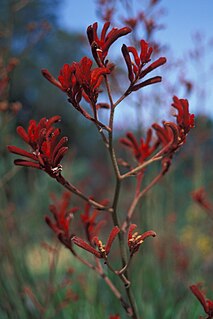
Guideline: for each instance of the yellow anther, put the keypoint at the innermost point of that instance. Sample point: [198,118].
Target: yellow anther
[101,247]
[138,238]
[135,235]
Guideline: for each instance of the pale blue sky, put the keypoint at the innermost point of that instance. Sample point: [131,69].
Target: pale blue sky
[182,18]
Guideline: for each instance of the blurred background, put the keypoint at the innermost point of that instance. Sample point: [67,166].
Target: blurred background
[38,277]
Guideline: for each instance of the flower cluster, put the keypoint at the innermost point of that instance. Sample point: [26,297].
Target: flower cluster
[100,45]
[135,67]
[173,135]
[103,250]
[206,303]
[135,240]
[170,135]
[91,225]
[141,150]
[62,215]
[47,150]
[77,80]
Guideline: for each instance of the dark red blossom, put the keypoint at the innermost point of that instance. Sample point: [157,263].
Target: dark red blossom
[141,150]
[62,215]
[67,82]
[89,80]
[67,78]
[206,303]
[103,250]
[135,67]
[173,135]
[89,218]
[168,136]
[114,317]
[78,79]
[135,240]
[100,45]
[185,120]
[47,149]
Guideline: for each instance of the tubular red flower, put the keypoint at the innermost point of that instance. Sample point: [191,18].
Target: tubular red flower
[206,303]
[142,150]
[185,120]
[100,46]
[78,79]
[153,66]
[67,77]
[51,78]
[103,250]
[174,135]
[127,59]
[89,80]
[135,67]
[90,221]
[135,240]
[81,243]
[47,152]
[155,79]
[111,238]
[146,52]
[62,216]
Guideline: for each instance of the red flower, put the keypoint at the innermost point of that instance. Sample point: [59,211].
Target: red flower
[135,240]
[140,150]
[174,134]
[206,303]
[185,120]
[103,250]
[47,150]
[136,69]
[89,219]
[67,82]
[168,136]
[114,317]
[89,80]
[78,79]
[62,215]
[100,46]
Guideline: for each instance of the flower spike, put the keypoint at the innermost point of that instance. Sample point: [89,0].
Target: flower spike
[47,150]
[100,46]
[135,240]
[143,149]
[62,216]
[185,120]
[91,225]
[103,251]
[135,67]
[206,303]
